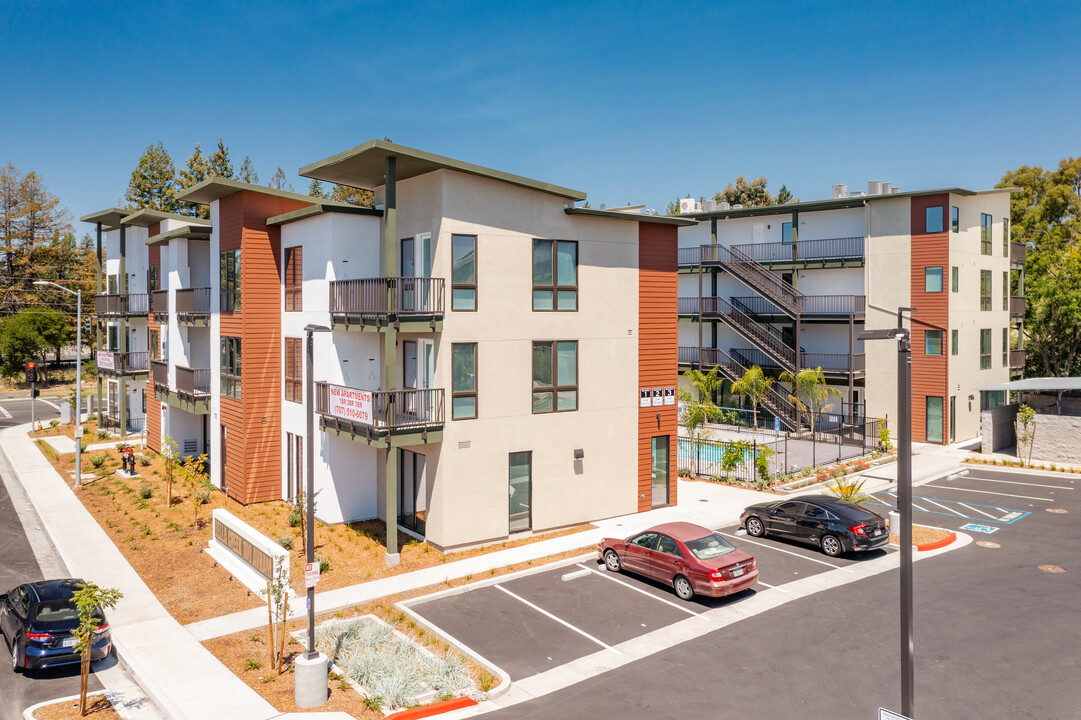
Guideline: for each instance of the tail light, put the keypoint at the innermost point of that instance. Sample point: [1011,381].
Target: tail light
[754,564]
[859,529]
[100,630]
[40,637]
[717,575]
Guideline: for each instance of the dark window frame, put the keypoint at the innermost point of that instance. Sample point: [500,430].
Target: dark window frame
[986,289]
[1005,347]
[294,278]
[955,219]
[985,234]
[466,393]
[941,220]
[954,341]
[928,274]
[928,335]
[468,286]
[555,287]
[229,281]
[927,417]
[294,362]
[985,348]
[1005,237]
[232,367]
[555,388]
[955,279]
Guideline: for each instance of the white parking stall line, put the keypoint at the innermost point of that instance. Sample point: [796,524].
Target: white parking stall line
[1017,482]
[4,412]
[562,622]
[789,552]
[988,492]
[772,587]
[944,507]
[918,507]
[981,512]
[607,576]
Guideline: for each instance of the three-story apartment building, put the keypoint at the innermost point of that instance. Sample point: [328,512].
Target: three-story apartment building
[787,287]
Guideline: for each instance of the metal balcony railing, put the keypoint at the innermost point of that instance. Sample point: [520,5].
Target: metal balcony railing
[764,336]
[810,304]
[192,383]
[193,302]
[846,248]
[687,355]
[119,305]
[381,410]
[1018,251]
[159,302]
[687,306]
[123,363]
[400,296]
[688,256]
[776,400]
[1018,306]
[1017,358]
[754,275]
[159,371]
[829,362]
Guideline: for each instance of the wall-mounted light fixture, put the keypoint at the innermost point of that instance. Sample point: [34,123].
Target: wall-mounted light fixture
[579,453]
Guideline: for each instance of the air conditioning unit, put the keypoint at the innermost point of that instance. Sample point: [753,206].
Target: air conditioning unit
[709,206]
[874,187]
[724,206]
[857,193]
[737,206]
[840,191]
[885,189]
[689,205]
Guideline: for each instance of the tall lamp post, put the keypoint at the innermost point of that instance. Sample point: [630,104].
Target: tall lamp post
[904,495]
[78,376]
[311,670]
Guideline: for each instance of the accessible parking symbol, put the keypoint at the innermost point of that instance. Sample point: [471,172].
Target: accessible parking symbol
[988,529]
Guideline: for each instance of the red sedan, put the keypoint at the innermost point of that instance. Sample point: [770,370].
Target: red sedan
[692,558]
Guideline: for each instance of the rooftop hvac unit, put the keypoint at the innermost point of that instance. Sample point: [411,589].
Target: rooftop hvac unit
[874,187]
[840,191]
[737,206]
[709,206]
[895,190]
[724,206]
[886,188]
[688,205]
[857,193]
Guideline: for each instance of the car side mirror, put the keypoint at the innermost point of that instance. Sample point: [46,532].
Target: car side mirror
[3,598]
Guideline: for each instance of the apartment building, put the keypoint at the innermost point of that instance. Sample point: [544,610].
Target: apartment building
[488,359]
[791,286]
[127,328]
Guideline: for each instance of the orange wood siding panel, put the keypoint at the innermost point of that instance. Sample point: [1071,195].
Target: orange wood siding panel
[254,428]
[929,373]
[657,349]
[153,417]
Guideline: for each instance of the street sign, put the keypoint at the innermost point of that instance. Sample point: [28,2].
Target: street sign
[78,430]
[884,714]
[311,574]
[776,426]
[986,529]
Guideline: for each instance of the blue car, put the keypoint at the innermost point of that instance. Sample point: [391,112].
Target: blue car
[37,621]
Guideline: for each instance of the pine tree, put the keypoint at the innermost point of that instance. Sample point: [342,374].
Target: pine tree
[153,181]
[316,189]
[247,172]
[278,181]
[220,166]
[192,175]
[354,196]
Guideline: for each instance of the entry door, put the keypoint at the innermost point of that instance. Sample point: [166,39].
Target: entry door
[412,491]
[953,419]
[659,471]
[418,373]
[416,262]
[520,512]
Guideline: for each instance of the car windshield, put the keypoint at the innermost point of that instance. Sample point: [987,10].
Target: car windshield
[709,547]
[56,611]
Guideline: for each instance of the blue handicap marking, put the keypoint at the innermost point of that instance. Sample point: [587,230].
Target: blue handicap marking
[979,528]
[957,509]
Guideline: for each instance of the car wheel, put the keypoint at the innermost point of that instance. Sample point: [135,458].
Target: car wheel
[611,561]
[15,666]
[831,545]
[755,528]
[684,589]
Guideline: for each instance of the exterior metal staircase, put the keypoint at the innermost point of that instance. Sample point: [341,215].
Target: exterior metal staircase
[776,401]
[755,276]
[759,334]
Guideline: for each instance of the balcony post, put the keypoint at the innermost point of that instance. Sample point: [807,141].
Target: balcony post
[97,320]
[390,359]
[851,363]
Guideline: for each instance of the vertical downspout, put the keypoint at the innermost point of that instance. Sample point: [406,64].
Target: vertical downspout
[97,320]
[122,335]
[390,358]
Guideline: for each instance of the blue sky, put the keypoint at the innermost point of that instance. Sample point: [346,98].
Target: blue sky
[630,102]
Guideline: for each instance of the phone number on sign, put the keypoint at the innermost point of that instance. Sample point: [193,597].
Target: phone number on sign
[351,404]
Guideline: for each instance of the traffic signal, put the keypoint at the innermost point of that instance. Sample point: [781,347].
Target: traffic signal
[31,372]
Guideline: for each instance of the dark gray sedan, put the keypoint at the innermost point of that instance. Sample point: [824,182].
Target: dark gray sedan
[835,525]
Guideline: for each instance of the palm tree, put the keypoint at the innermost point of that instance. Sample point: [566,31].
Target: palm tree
[698,405]
[754,386]
[810,394]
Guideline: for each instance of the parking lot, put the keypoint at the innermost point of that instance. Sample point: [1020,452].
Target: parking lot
[551,617]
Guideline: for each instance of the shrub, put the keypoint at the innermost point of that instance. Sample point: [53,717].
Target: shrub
[102,434]
[324,564]
[252,664]
[144,461]
[54,423]
[851,491]
[684,472]
[98,461]
[145,492]
[286,542]
[296,518]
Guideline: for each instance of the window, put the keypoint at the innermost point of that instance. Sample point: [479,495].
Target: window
[645,540]
[294,369]
[113,338]
[1005,347]
[1006,290]
[152,279]
[154,344]
[294,279]
[985,289]
[230,367]
[1005,237]
[932,279]
[955,219]
[934,419]
[985,234]
[786,233]
[294,464]
[463,282]
[555,376]
[932,342]
[464,381]
[953,342]
[985,349]
[955,279]
[555,275]
[933,219]
[667,546]
[229,281]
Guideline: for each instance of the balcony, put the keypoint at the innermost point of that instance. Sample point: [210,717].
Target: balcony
[1017,254]
[411,416]
[1017,308]
[134,305]
[193,307]
[192,391]
[688,257]
[409,304]
[688,355]
[813,307]
[1017,359]
[826,252]
[159,372]
[831,363]
[159,303]
[123,364]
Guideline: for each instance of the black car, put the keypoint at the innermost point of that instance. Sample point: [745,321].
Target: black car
[835,525]
[37,621]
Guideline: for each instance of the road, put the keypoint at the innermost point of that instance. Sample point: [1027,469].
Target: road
[996,626]
[21,564]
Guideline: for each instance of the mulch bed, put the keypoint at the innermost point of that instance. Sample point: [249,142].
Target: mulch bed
[97,707]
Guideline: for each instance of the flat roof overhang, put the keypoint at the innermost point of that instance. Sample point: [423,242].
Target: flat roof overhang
[109,218]
[191,232]
[636,217]
[365,167]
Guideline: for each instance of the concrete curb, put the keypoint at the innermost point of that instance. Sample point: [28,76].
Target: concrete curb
[949,539]
[28,713]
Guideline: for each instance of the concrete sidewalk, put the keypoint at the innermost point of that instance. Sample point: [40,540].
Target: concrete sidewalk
[704,503]
[183,679]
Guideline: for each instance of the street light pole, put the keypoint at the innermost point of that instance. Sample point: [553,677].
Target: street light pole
[78,377]
[904,497]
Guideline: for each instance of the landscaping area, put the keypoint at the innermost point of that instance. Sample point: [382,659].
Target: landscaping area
[97,707]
